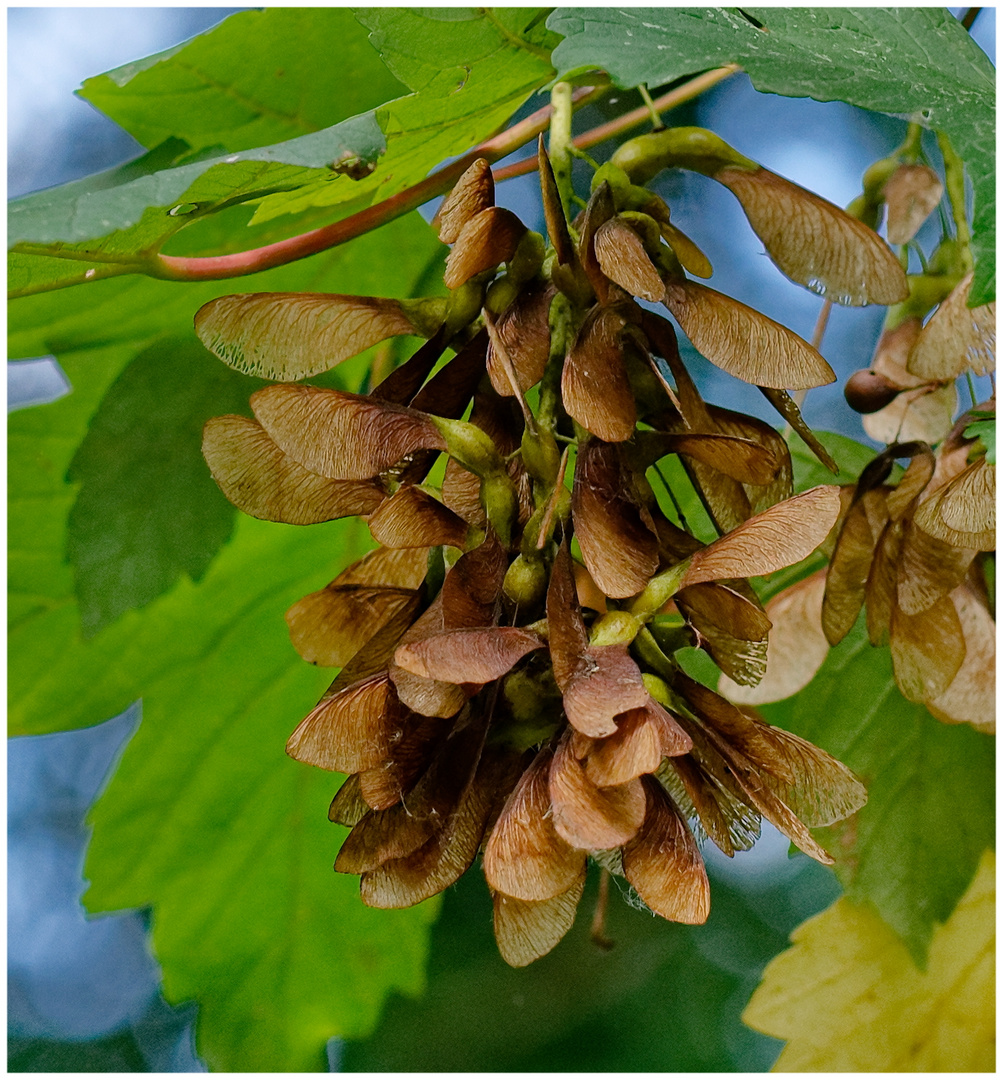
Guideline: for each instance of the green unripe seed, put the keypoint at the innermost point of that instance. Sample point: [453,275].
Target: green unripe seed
[618,180]
[471,447]
[615,628]
[527,261]
[540,455]
[501,292]
[525,581]
[501,504]
[427,314]
[465,303]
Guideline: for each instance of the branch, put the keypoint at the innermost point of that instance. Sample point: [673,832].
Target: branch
[631,119]
[216,267]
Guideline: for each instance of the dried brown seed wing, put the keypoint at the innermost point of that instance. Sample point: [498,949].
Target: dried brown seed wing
[956,339]
[823,790]
[599,210]
[398,831]
[740,458]
[472,193]
[797,644]
[963,511]
[815,243]
[487,240]
[389,782]
[850,566]
[661,336]
[726,819]
[740,730]
[622,258]
[352,729]
[524,330]
[348,807]
[340,435]
[330,626]
[594,384]
[911,194]
[914,480]
[928,569]
[553,211]
[428,697]
[971,696]
[411,518]
[744,342]
[263,481]
[663,862]
[615,532]
[732,629]
[528,929]
[289,336]
[525,857]
[605,683]
[757,791]
[779,536]
[450,852]
[461,492]
[788,409]
[672,735]
[472,586]
[589,817]
[728,422]
[450,389]
[923,414]
[402,568]
[468,656]
[405,381]
[567,635]
[631,751]
[880,589]
[928,649]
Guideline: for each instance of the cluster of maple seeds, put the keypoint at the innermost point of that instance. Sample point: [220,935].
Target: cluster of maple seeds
[496,693]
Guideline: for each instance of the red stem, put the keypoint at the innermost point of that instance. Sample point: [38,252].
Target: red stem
[215,267]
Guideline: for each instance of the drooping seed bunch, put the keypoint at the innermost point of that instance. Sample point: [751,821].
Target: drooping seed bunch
[509,683]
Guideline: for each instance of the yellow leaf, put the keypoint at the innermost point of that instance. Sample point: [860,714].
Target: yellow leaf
[848,998]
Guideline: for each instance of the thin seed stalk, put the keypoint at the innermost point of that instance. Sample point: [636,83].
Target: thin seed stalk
[954,183]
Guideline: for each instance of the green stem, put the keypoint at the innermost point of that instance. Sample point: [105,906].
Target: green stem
[912,146]
[560,143]
[656,120]
[954,182]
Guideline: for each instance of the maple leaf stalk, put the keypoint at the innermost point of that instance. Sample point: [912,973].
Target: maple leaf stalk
[215,267]
[211,268]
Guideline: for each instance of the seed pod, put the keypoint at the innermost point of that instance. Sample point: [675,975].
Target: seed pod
[866,391]
[472,193]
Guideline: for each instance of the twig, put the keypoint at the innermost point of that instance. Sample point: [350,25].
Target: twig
[215,267]
[681,94]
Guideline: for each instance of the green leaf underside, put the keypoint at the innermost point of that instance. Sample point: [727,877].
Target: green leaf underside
[260,77]
[912,850]
[148,509]
[64,232]
[208,820]
[470,69]
[95,332]
[830,54]
[666,998]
